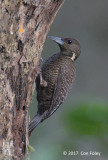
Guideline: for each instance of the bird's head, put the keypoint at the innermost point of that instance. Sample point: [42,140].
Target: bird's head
[68,46]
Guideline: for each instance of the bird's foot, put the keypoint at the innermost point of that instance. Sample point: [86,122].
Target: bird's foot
[43,83]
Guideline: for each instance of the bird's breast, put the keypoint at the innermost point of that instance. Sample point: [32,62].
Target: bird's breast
[52,66]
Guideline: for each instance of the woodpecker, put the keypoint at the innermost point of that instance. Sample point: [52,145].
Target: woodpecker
[55,79]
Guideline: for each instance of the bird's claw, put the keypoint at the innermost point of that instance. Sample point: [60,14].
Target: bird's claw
[43,83]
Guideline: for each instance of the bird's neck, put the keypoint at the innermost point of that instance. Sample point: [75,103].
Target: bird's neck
[71,55]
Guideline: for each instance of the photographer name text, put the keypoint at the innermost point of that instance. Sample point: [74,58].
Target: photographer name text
[82,153]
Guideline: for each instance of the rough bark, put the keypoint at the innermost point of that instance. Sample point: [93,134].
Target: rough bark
[23,28]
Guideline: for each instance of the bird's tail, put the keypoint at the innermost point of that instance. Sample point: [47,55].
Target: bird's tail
[34,122]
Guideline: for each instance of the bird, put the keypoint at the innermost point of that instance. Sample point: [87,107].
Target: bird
[55,79]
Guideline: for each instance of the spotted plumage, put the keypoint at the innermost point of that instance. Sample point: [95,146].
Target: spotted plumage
[57,75]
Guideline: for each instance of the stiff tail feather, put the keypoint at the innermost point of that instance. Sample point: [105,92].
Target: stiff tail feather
[34,122]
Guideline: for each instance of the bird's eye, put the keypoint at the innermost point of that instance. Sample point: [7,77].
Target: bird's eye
[69,41]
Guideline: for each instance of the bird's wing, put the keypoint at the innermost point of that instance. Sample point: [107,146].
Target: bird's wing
[62,86]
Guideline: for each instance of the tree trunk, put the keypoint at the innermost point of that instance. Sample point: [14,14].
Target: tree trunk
[23,28]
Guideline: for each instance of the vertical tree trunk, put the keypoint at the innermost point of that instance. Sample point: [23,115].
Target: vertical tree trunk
[23,28]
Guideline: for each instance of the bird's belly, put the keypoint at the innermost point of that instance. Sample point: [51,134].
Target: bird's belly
[46,93]
[50,75]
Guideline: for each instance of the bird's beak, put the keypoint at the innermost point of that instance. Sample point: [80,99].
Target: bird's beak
[56,39]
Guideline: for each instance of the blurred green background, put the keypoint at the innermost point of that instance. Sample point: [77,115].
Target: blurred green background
[81,123]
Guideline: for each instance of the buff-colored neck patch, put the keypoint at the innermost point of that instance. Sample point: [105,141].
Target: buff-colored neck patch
[73,57]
